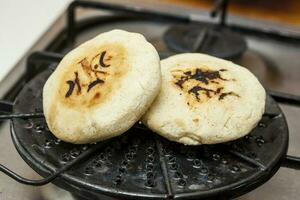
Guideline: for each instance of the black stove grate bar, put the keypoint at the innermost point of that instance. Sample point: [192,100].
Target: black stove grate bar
[220,7]
[156,15]
[33,61]
[6,106]
[44,56]
[138,11]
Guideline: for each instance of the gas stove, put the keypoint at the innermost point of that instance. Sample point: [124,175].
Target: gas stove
[271,56]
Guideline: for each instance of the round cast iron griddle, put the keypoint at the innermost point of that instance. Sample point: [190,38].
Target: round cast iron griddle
[142,164]
[218,41]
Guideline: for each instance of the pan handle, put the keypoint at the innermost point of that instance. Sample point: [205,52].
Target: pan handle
[290,99]
[53,176]
[26,181]
[292,162]
[6,113]
[6,109]
[84,155]
[285,98]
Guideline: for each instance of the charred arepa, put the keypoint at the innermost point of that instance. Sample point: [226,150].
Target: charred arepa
[101,88]
[205,100]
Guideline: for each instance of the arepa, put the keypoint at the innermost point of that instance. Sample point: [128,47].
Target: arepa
[205,100]
[101,88]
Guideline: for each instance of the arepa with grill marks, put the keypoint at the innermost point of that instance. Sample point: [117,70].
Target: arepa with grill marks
[205,100]
[100,89]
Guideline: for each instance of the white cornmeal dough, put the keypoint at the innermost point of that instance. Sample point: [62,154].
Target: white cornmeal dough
[205,100]
[101,88]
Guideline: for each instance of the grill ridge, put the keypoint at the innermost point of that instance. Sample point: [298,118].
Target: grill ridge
[164,168]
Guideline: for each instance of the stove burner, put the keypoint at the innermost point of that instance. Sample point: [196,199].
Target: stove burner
[205,38]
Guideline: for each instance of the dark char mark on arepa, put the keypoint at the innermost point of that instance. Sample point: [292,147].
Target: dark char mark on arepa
[88,69]
[72,85]
[94,83]
[101,59]
[204,77]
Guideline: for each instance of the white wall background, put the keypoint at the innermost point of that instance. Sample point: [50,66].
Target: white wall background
[22,22]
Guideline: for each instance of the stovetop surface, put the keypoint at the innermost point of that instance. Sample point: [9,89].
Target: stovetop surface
[273,61]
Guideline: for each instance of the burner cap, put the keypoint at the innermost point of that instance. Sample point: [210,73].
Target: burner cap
[205,38]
